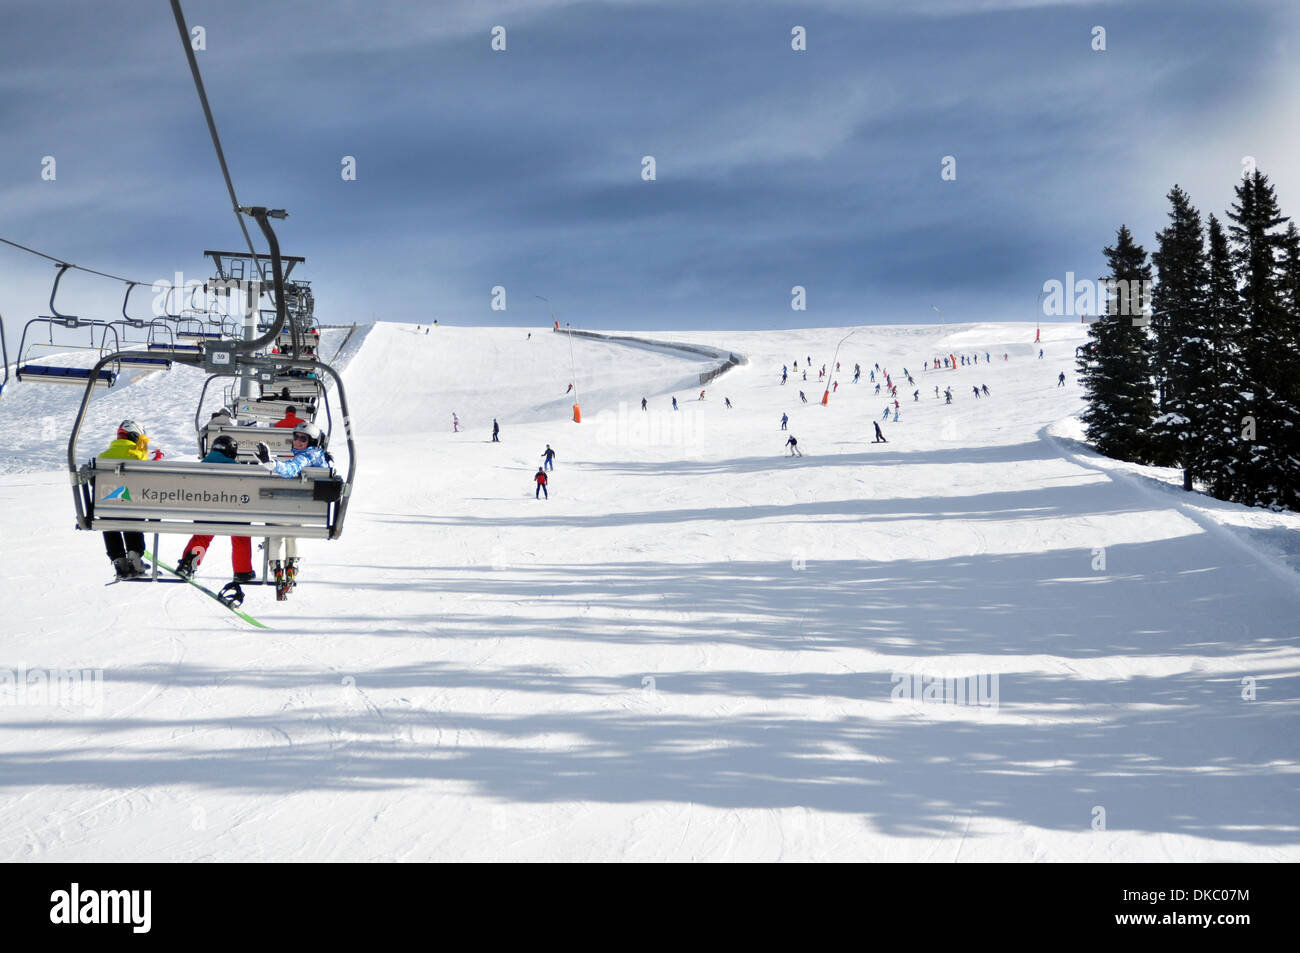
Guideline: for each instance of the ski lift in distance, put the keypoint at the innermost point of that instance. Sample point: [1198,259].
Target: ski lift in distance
[101,376]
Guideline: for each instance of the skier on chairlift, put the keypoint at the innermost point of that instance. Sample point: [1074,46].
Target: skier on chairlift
[307,452]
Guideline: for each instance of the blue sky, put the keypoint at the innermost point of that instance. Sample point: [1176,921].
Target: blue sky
[523,168]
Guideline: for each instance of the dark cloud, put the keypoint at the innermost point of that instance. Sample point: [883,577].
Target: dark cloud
[523,168]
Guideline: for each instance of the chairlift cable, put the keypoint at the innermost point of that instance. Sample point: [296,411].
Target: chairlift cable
[62,261]
[212,129]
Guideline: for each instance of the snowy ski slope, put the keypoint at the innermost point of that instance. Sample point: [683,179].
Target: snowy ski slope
[690,651]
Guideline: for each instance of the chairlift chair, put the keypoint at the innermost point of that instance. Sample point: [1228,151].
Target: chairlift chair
[166,496]
[99,376]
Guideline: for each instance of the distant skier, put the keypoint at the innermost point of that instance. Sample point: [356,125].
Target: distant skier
[877,388]
[455,423]
[880,436]
[549,454]
[726,401]
[570,389]
[802,397]
[805,375]
[785,419]
[1040,353]
[674,403]
[885,415]
[895,415]
[784,376]
[701,395]
[986,390]
[835,386]
[496,429]
[540,480]
[1060,380]
[643,405]
[976,390]
[947,394]
[916,394]
[936,391]
[793,444]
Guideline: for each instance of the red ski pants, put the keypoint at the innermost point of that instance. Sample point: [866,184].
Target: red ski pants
[241,551]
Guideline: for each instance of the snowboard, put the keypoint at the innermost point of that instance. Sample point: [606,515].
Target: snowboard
[205,590]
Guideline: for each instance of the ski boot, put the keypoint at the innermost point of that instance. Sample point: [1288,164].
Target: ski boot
[122,566]
[231,595]
[282,584]
[138,567]
[248,576]
[291,572]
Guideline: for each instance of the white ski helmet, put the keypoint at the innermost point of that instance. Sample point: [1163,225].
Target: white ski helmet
[310,431]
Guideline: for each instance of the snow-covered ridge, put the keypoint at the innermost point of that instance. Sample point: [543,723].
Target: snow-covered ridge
[726,359]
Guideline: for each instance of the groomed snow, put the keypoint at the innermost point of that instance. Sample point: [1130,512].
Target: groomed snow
[689,651]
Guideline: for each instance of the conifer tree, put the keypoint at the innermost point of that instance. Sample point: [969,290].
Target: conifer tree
[1291,276]
[1216,461]
[1115,370]
[1269,452]
[1181,353]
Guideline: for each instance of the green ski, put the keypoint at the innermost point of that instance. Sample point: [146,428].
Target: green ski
[205,590]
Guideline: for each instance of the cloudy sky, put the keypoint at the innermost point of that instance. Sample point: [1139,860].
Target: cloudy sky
[523,168]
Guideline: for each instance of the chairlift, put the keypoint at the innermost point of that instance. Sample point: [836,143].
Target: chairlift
[253,420]
[140,357]
[165,496]
[101,376]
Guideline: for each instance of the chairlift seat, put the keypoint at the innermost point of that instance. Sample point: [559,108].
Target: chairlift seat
[279,440]
[133,359]
[300,388]
[200,335]
[65,375]
[273,409]
[161,496]
[187,348]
